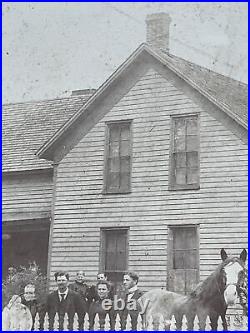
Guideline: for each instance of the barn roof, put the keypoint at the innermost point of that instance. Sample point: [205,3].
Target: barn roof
[31,125]
[26,126]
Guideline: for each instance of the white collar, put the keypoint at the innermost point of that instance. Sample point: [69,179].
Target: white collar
[133,289]
[64,293]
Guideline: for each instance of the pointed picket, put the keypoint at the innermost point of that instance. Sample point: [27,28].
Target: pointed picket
[75,323]
[184,323]
[172,324]
[150,324]
[117,322]
[161,326]
[46,323]
[56,322]
[97,323]
[128,324]
[220,324]
[139,324]
[107,323]
[36,323]
[196,324]
[86,322]
[208,324]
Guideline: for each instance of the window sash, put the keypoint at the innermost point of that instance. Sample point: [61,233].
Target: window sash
[184,155]
[118,160]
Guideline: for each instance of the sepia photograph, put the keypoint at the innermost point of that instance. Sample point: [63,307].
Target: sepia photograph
[125,166]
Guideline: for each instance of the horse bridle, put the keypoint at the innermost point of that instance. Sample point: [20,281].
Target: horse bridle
[238,284]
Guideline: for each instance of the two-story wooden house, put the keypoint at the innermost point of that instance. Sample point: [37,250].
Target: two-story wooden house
[150,174]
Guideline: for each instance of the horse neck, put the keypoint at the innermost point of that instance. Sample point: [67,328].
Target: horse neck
[208,290]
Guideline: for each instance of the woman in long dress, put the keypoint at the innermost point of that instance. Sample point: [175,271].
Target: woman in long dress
[16,316]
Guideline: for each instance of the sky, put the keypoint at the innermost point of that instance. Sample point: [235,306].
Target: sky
[50,49]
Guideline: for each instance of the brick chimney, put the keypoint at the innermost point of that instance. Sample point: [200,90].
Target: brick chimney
[158,31]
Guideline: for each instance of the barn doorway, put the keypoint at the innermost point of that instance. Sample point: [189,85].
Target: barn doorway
[183,259]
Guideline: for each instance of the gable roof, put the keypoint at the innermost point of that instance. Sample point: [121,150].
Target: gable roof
[38,126]
[26,126]
[229,95]
[225,90]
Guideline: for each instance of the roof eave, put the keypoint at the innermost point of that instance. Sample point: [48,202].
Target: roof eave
[46,151]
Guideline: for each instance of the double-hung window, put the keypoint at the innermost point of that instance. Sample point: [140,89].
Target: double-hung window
[184,153]
[118,157]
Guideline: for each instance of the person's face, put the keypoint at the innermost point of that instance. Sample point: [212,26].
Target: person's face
[128,282]
[101,277]
[62,283]
[29,294]
[102,291]
[80,277]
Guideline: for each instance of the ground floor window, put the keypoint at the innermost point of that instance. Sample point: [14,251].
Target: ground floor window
[114,254]
[183,260]
[22,246]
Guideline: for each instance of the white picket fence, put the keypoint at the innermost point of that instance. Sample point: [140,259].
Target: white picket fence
[235,323]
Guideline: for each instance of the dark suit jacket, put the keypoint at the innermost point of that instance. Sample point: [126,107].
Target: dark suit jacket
[71,305]
[133,313]
[82,290]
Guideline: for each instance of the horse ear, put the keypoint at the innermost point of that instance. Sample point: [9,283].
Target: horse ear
[243,255]
[223,254]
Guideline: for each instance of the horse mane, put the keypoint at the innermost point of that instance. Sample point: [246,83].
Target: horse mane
[210,286]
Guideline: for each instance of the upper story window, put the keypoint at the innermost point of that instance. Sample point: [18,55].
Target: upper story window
[184,153]
[118,157]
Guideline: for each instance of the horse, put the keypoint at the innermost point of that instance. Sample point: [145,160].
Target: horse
[210,297]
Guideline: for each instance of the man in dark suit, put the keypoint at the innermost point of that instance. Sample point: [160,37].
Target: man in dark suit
[132,308]
[63,301]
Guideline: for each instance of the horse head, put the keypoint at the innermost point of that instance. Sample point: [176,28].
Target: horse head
[232,274]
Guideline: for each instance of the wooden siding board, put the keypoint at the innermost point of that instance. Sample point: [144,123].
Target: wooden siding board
[27,193]
[221,203]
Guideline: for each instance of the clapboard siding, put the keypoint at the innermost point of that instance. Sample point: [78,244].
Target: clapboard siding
[81,208]
[26,194]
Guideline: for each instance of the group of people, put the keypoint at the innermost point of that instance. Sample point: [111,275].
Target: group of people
[80,298]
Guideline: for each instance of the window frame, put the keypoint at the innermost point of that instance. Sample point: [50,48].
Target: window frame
[108,124]
[172,184]
[170,248]
[103,242]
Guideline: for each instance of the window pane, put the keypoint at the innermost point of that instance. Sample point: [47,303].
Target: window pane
[125,132]
[179,127]
[114,164]
[192,128]
[180,160]
[124,148]
[114,132]
[180,176]
[180,143]
[192,143]
[179,135]
[113,180]
[125,164]
[192,159]
[179,259]
[192,176]
[114,148]
[190,259]
[125,181]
